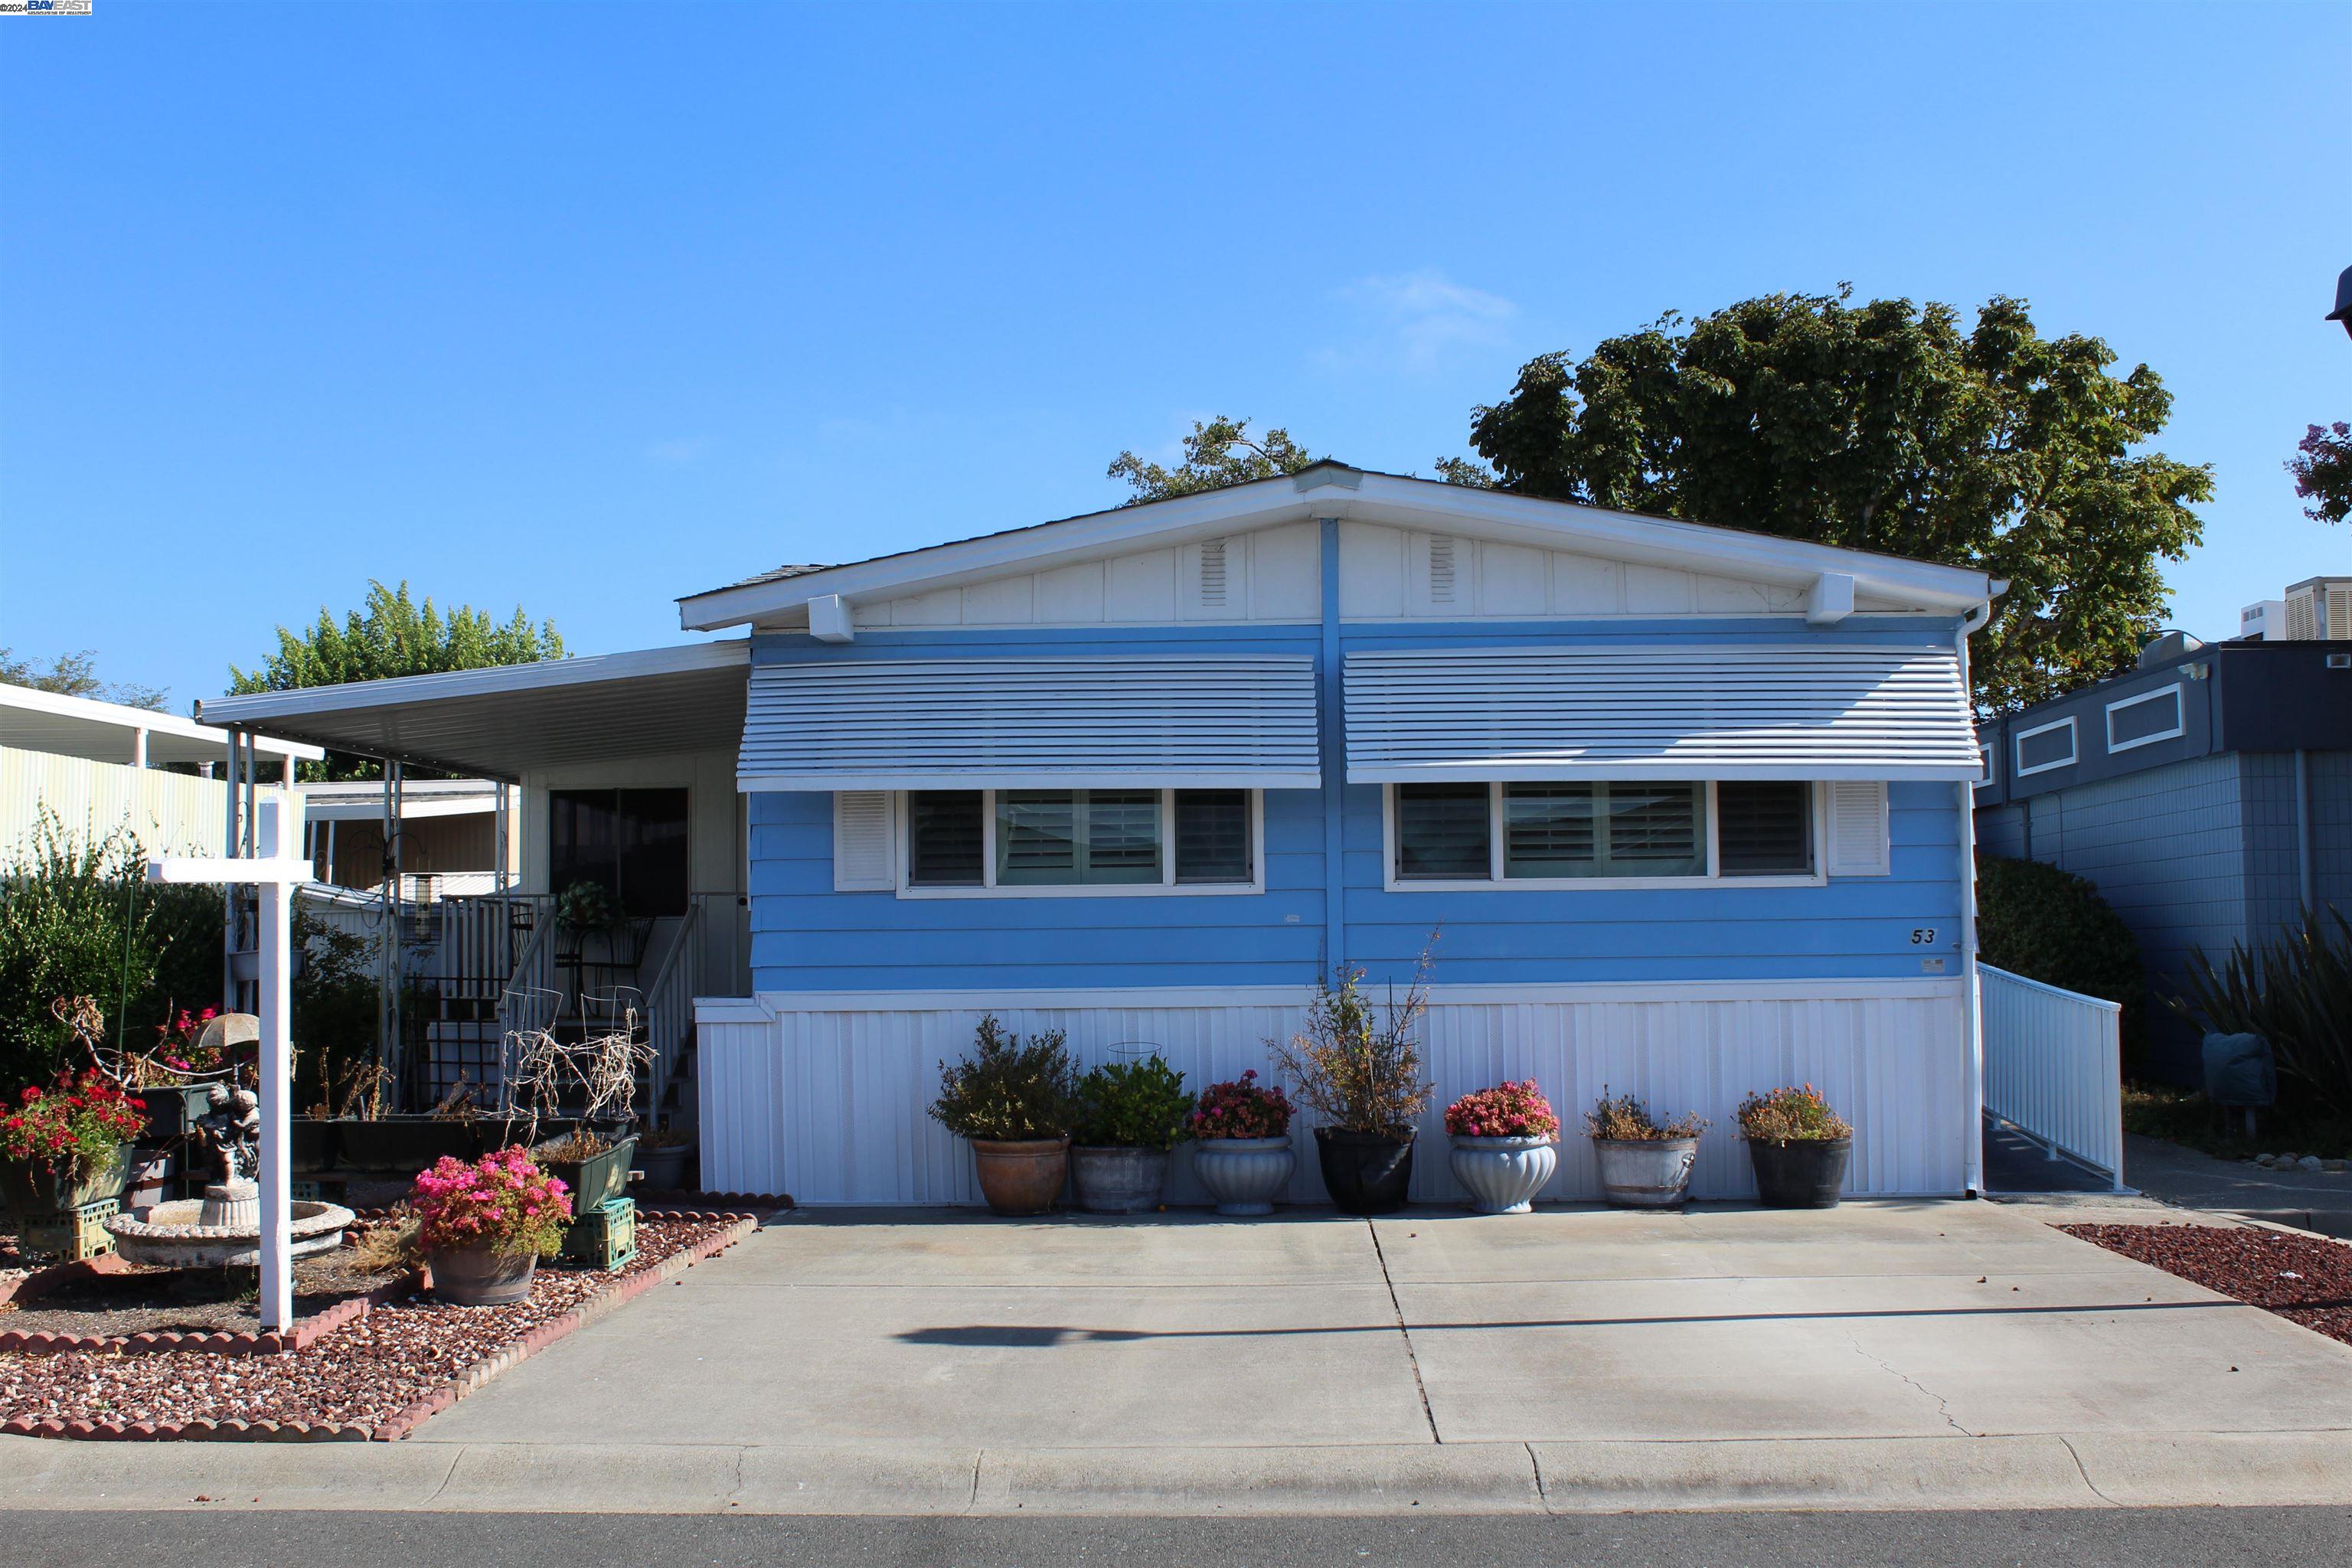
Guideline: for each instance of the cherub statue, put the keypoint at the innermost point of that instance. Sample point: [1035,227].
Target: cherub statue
[231,1128]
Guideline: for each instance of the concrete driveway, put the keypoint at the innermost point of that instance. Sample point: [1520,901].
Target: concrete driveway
[1884,1354]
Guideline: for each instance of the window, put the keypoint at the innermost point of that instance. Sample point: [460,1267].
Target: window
[1442,830]
[1764,829]
[1064,837]
[944,839]
[1098,840]
[631,842]
[2142,720]
[1212,835]
[1603,830]
[2045,746]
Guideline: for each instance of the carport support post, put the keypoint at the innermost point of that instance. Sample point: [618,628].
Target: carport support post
[275,875]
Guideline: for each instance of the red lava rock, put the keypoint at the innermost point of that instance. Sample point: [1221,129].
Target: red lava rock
[2304,1279]
[391,1366]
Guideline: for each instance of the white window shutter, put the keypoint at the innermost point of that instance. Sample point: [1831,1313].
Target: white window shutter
[1857,827]
[862,841]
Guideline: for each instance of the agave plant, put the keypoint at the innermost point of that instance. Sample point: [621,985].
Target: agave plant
[2294,992]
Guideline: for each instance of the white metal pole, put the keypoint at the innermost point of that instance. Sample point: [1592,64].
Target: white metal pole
[277,1093]
[1971,1000]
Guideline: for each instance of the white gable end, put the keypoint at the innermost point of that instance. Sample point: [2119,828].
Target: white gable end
[1268,575]
[1394,574]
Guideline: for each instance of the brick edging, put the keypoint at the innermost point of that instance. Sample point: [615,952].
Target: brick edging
[399,1426]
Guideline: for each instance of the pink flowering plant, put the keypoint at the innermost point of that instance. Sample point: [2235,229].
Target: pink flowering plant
[1506,1111]
[1240,1108]
[503,1201]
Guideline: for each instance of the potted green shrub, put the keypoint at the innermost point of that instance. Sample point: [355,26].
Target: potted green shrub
[484,1226]
[1799,1147]
[1014,1103]
[1241,1144]
[1131,1114]
[1505,1145]
[1646,1163]
[1357,1069]
[66,1146]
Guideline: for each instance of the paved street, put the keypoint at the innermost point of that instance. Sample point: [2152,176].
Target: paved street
[2149,1538]
[1902,1354]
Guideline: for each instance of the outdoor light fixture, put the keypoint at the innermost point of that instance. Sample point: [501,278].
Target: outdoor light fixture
[2343,311]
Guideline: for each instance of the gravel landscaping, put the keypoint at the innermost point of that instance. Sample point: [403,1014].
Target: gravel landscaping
[2306,1279]
[353,1381]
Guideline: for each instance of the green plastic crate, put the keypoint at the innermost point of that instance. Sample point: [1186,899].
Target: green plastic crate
[605,1237]
[73,1234]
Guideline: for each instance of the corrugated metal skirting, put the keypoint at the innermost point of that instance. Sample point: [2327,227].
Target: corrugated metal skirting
[829,1103]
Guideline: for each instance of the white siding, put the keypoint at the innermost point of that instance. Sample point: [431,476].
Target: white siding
[825,1097]
[1266,575]
[169,812]
[1390,573]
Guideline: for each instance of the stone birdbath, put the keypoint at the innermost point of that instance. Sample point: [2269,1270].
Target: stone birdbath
[223,1230]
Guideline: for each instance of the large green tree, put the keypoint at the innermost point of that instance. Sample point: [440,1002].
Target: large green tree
[1216,454]
[394,634]
[1884,427]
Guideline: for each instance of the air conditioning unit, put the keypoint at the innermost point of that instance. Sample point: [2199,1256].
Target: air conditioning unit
[2319,609]
[2265,620]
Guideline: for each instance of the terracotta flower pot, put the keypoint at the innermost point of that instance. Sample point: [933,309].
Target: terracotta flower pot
[1023,1177]
[478,1276]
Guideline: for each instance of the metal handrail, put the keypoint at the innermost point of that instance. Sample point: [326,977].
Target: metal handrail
[669,1004]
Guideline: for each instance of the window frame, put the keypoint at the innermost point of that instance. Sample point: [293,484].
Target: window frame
[901,823]
[2180,717]
[1496,882]
[2017,748]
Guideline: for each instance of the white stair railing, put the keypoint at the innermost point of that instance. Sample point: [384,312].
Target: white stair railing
[2053,1067]
[669,1004]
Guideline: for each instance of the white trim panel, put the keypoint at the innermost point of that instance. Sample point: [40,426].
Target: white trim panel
[2180,717]
[2073,747]
[1196,721]
[825,1096]
[1658,711]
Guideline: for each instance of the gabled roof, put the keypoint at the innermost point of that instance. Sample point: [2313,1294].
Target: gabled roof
[1333,490]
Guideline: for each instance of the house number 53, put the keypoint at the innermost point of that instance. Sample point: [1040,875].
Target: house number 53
[1922,935]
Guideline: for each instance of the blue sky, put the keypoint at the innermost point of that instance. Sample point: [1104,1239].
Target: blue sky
[586,308]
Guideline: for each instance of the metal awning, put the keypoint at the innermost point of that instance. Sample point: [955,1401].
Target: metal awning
[1209,721]
[33,720]
[1666,712]
[496,724]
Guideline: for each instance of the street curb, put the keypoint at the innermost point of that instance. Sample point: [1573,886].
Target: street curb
[1914,1473]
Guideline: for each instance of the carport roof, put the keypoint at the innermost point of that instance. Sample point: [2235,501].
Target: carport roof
[495,724]
[33,721]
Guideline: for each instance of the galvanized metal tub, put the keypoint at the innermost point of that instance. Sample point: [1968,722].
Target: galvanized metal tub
[1645,1173]
[1118,1178]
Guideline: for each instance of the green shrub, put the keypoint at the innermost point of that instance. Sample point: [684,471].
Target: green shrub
[1009,1091]
[2296,992]
[2051,925]
[1133,1105]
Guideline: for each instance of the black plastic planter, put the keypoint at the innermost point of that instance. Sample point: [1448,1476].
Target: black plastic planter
[1365,1173]
[1808,1173]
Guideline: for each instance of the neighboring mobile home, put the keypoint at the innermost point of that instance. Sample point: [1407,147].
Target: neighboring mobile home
[1677,810]
[2207,794]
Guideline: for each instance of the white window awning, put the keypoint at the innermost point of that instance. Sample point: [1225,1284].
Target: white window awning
[1198,722]
[1678,712]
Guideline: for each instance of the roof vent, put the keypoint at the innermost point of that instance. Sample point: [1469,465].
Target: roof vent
[2167,647]
[1212,573]
[1441,571]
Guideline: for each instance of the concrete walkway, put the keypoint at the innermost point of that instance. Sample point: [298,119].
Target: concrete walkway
[2308,1200]
[1885,1354]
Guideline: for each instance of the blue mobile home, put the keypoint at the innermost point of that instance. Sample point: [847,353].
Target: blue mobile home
[1673,809]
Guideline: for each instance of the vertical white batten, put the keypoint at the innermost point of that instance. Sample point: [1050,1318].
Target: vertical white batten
[1972,1002]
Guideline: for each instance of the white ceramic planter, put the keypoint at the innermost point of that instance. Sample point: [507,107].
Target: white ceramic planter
[1244,1174]
[1645,1173]
[1503,1175]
